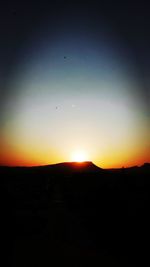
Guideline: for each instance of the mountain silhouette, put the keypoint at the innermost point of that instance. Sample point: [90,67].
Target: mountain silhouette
[74,167]
[146,165]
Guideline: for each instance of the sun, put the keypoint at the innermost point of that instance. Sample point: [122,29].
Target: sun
[79,156]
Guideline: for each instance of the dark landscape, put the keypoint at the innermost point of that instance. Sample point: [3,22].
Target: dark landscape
[75,214]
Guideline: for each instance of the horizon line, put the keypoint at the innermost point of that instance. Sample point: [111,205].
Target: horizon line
[71,162]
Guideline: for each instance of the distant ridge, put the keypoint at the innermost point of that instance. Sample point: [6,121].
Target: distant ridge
[86,166]
[146,164]
[63,167]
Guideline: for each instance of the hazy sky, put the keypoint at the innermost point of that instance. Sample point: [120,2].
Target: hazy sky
[74,84]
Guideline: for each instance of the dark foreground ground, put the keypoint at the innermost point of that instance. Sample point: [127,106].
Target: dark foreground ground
[68,215]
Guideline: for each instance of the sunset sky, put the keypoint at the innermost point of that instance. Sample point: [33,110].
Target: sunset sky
[74,84]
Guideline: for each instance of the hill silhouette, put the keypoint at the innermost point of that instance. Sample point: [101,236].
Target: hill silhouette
[86,166]
[77,214]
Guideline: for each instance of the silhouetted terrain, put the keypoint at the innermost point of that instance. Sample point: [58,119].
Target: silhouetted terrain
[75,214]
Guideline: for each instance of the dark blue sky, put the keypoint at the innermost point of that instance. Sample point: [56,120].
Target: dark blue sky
[129,22]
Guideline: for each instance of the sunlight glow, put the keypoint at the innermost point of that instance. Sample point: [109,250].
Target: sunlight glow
[79,156]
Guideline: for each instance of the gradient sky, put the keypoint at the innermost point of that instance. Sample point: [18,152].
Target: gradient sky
[74,85]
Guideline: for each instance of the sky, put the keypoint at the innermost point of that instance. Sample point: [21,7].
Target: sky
[74,83]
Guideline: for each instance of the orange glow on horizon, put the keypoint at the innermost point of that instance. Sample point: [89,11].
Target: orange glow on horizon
[23,152]
[12,157]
